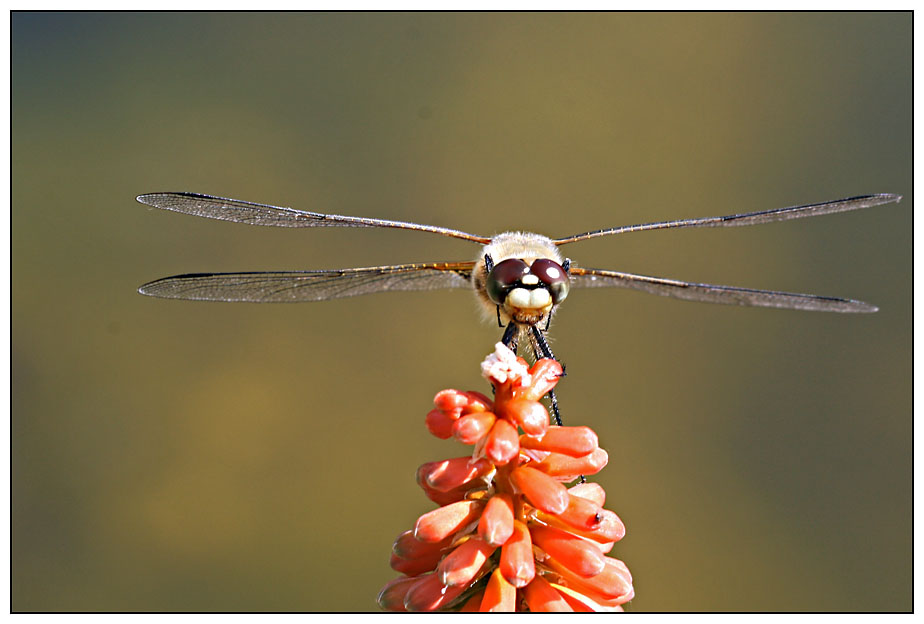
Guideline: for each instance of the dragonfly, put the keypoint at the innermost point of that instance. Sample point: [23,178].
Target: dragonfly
[519,277]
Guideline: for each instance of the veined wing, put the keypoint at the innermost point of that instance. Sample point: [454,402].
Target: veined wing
[265,214]
[748,218]
[709,293]
[294,286]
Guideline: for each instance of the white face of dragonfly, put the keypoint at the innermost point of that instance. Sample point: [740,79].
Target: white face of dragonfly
[524,278]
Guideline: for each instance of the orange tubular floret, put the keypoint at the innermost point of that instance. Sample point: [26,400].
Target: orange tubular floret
[572,441]
[613,585]
[581,603]
[593,492]
[451,400]
[437,525]
[407,546]
[472,427]
[473,604]
[452,473]
[580,514]
[568,468]
[461,565]
[477,402]
[502,444]
[417,565]
[541,597]
[542,491]
[579,555]
[532,416]
[517,562]
[427,594]
[544,374]
[392,595]
[496,524]
[448,497]
[499,595]
[440,423]
[608,530]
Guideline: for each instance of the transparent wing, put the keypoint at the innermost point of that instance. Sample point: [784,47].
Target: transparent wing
[264,214]
[748,218]
[709,293]
[294,286]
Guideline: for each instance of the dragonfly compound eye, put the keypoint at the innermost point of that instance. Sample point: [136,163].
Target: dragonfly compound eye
[504,277]
[553,276]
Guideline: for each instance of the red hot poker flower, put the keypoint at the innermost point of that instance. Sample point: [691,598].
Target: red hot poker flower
[509,535]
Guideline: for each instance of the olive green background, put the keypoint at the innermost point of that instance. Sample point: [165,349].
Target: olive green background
[172,455]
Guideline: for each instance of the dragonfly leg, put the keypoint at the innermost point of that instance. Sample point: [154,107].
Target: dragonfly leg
[541,349]
[511,337]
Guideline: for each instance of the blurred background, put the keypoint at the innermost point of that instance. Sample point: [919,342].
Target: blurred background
[171,455]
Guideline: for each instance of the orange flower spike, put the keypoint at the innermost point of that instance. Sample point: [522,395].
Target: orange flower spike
[503,443]
[499,595]
[517,561]
[427,594]
[532,416]
[569,468]
[578,555]
[572,441]
[461,565]
[472,427]
[541,597]
[392,595]
[448,474]
[442,522]
[496,524]
[542,491]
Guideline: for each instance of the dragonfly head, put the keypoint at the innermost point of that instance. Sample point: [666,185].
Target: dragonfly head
[521,274]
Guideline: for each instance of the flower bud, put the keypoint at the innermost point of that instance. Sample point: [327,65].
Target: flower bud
[502,444]
[571,441]
[541,597]
[392,595]
[472,427]
[579,555]
[517,562]
[496,524]
[499,595]
[542,491]
[427,594]
[570,468]
[442,522]
[452,473]
[531,416]
[462,565]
